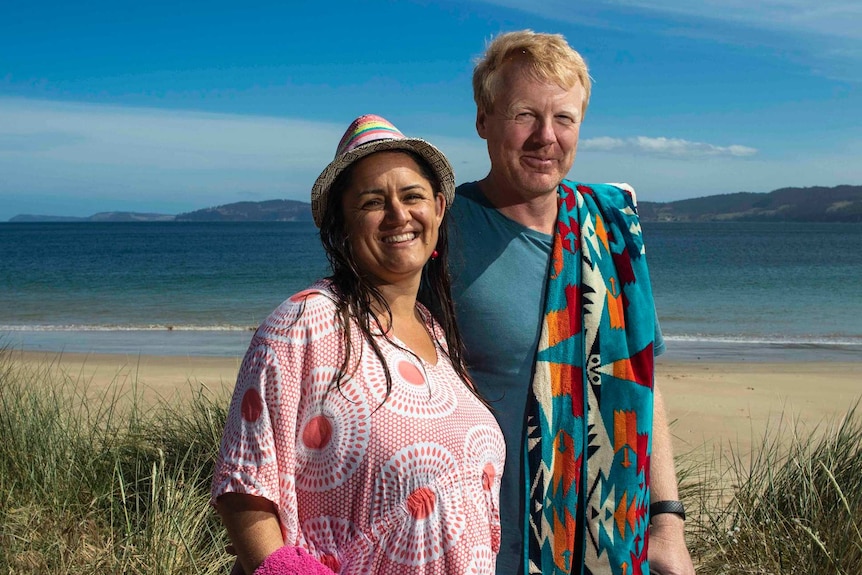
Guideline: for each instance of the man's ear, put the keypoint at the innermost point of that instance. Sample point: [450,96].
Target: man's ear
[481,117]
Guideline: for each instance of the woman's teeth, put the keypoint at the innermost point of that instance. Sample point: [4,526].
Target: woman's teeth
[399,238]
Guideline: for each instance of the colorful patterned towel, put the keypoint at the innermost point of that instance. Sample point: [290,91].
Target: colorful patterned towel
[589,422]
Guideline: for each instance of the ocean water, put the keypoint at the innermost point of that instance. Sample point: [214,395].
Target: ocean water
[723,290]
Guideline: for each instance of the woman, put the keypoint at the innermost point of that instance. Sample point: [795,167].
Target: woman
[354,441]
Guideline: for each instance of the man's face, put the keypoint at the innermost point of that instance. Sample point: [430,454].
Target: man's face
[532,133]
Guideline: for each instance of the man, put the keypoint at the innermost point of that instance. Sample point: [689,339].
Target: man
[554,302]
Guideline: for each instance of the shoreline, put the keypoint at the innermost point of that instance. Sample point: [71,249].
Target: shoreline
[721,351]
[711,405]
[233,342]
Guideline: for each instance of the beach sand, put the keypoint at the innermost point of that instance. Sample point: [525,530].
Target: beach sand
[152,378]
[723,405]
[732,405]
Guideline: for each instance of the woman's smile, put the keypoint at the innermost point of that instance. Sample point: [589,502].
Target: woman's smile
[400,238]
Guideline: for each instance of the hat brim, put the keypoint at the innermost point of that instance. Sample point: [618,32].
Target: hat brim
[435,158]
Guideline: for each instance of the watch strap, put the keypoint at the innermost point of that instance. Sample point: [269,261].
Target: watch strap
[669,506]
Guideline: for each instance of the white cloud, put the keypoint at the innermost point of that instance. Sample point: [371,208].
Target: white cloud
[122,136]
[661,146]
[824,34]
[604,143]
[69,158]
[826,17]
[667,177]
[74,159]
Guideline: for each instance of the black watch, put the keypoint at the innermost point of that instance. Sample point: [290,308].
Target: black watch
[675,507]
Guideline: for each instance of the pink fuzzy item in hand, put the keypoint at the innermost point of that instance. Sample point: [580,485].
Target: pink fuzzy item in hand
[289,560]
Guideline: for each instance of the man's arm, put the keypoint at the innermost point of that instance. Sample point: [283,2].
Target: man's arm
[668,554]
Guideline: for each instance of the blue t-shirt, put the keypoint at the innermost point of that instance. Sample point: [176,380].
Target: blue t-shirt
[499,272]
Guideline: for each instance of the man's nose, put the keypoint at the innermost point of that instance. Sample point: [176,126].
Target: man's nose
[544,131]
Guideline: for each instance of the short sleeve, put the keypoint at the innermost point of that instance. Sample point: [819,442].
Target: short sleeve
[658,345]
[258,452]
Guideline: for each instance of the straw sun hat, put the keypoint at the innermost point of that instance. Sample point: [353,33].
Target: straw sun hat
[366,135]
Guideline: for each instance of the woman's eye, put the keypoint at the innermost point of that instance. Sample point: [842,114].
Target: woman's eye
[372,204]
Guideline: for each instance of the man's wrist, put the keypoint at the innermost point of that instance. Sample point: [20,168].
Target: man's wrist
[667,524]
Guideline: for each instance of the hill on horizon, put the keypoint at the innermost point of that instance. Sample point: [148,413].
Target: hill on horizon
[265,211]
[811,204]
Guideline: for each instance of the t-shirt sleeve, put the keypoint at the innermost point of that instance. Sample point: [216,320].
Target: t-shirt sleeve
[658,345]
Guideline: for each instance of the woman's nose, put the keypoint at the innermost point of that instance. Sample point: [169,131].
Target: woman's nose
[397,212]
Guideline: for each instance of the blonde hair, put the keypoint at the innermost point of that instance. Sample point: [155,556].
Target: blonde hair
[547,56]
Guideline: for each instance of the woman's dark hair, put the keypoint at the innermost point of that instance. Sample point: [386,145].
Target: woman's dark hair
[356,295]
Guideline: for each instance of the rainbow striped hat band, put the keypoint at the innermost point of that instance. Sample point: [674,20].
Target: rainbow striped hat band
[369,134]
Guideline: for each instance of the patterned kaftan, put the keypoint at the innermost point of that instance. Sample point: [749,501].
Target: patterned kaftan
[407,487]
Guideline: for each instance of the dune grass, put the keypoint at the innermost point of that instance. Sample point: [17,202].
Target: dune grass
[109,485]
[104,485]
[794,506]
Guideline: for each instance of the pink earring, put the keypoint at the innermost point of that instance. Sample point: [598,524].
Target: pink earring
[434,254]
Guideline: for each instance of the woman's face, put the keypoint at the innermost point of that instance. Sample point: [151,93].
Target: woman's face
[392,218]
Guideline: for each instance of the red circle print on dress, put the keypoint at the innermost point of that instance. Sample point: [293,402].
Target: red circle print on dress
[317,433]
[331,561]
[304,317]
[416,392]
[421,503]
[304,295]
[436,517]
[252,405]
[485,450]
[488,475]
[335,541]
[246,441]
[410,373]
[333,431]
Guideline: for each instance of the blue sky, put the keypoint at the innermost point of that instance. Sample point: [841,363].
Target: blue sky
[174,106]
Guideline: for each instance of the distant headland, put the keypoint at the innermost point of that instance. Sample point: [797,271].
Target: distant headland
[266,211]
[812,204]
